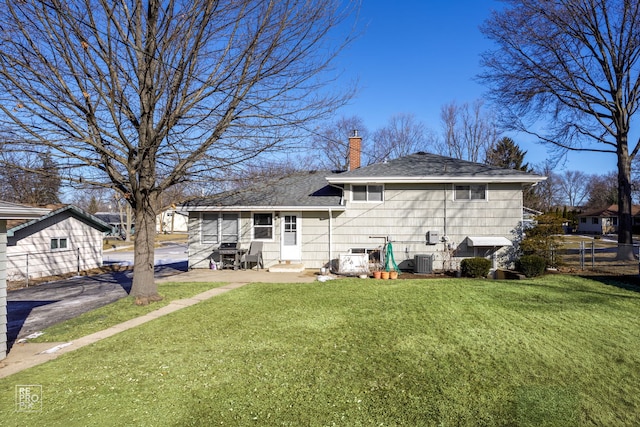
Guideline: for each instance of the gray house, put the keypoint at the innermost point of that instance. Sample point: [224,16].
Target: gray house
[9,211]
[434,210]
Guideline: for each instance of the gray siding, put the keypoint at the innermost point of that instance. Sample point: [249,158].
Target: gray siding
[408,212]
[3,289]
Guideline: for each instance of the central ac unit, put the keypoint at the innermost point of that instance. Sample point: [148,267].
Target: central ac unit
[423,264]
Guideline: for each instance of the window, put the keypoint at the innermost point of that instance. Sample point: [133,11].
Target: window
[583,220]
[471,192]
[262,226]
[217,228]
[59,243]
[209,228]
[594,220]
[367,193]
[230,228]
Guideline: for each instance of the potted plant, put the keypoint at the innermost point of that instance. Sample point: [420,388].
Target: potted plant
[377,271]
[393,274]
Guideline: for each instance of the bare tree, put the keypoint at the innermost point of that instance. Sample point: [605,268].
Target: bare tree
[567,71]
[602,191]
[468,132]
[402,135]
[331,142]
[141,95]
[29,177]
[573,188]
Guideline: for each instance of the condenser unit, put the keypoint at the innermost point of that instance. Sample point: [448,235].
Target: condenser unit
[423,264]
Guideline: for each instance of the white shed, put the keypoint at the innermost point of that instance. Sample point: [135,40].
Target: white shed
[65,240]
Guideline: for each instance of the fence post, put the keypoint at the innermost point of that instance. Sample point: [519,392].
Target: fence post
[78,261]
[593,255]
[581,255]
[27,268]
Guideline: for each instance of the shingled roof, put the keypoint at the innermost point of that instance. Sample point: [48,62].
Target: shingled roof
[427,167]
[303,191]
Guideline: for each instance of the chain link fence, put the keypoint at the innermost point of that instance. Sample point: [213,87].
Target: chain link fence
[593,255]
[24,268]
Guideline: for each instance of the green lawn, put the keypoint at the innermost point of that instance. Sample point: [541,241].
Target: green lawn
[120,311]
[555,351]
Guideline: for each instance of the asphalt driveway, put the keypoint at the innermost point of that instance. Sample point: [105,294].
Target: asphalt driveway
[32,309]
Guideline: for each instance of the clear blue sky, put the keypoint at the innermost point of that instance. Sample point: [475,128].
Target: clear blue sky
[416,55]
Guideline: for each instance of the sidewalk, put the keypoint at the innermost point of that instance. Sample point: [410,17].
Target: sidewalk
[26,355]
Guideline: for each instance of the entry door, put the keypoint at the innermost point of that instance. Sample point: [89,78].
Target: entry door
[290,245]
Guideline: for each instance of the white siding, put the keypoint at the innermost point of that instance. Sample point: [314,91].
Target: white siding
[32,252]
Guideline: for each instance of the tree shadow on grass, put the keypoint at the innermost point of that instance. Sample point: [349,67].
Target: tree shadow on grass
[629,282]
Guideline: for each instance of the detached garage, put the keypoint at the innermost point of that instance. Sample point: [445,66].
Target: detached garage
[65,240]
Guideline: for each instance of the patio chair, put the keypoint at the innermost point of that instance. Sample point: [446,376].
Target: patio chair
[254,255]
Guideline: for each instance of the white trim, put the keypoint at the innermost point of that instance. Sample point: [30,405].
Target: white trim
[437,179]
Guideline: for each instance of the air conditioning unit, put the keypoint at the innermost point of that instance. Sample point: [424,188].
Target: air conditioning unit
[423,264]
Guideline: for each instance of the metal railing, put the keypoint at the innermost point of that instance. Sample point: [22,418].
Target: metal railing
[33,265]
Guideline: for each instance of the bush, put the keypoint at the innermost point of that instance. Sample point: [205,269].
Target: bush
[531,265]
[475,267]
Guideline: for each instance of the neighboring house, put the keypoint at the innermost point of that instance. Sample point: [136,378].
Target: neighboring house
[604,221]
[424,204]
[9,212]
[65,240]
[172,221]
[116,221]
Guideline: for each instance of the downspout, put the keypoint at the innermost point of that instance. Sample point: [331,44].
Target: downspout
[330,236]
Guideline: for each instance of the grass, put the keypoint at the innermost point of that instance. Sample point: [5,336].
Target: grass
[118,312]
[553,351]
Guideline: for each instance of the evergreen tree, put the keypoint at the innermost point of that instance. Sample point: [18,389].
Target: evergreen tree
[506,154]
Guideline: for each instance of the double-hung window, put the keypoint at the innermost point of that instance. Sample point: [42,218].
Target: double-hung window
[367,193]
[471,192]
[262,226]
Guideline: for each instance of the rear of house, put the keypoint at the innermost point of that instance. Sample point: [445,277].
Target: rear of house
[430,208]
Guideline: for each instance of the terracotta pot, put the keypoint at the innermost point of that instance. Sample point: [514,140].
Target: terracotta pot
[393,275]
[377,274]
[385,275]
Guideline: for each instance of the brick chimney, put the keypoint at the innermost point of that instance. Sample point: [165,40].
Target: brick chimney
[355,148]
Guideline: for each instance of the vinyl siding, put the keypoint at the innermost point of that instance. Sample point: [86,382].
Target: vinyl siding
[3,289]
[29,251]
[407,213]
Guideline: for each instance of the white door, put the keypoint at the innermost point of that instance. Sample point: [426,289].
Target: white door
[290,245]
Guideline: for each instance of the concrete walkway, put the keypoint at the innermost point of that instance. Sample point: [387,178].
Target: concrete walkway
[25,355]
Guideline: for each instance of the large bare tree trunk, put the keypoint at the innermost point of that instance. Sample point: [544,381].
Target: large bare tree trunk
[625,219]
[144,288]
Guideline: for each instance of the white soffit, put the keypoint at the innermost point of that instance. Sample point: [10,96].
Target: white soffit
[491,241]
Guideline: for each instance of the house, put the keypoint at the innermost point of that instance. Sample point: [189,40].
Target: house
[433,209]
[66,239]
[604,220]
[116,220]
[172,221]
[8,212]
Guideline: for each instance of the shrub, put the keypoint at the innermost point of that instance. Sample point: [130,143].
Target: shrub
[475,267]
[531,265]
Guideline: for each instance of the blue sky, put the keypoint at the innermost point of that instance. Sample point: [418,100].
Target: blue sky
[415,56]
